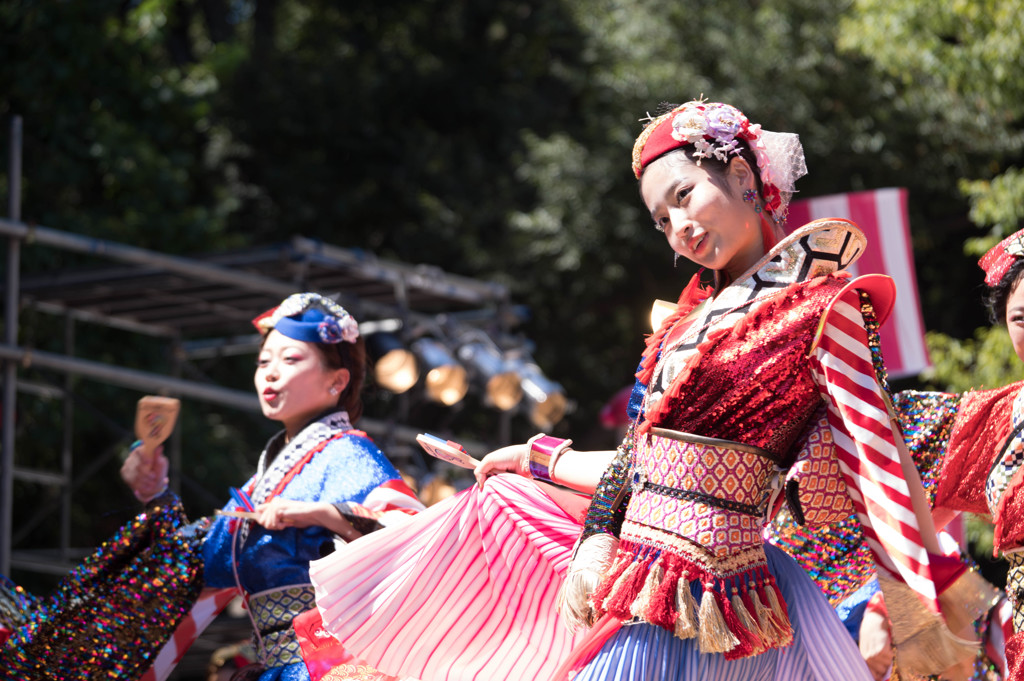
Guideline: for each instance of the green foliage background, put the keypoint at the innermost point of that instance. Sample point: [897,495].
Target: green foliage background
[490,138]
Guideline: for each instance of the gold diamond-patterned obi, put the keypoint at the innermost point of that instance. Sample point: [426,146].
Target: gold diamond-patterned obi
[711,492]
[272,613]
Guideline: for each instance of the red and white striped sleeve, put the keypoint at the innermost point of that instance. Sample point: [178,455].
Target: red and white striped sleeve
[203,612]
[866,449]
[393,495]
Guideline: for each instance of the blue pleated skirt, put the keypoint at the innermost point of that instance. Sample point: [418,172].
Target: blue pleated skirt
[822,648]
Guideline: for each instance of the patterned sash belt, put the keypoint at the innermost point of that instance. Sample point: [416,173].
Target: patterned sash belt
[273,612]
[709,491]
[695,515]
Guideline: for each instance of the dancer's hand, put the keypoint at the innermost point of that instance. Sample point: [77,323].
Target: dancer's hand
[876,644]
[511,459]
[279,513]
[145,474]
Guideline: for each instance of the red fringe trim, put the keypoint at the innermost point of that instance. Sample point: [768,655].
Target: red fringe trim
[623,595]
[692,295]
[622,562]
[616,597]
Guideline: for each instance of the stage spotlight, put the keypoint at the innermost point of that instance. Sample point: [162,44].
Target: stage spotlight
[545,398]
[501,383]
[445,379]
[394,365]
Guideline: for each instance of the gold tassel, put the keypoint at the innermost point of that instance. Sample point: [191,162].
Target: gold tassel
[715,636]
[748,622]
[781,618]
[924,644]
[642,603]
[969,597]
[686,610]
[591,560]
[771,631]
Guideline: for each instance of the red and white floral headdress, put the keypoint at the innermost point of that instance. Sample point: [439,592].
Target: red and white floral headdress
[997,262]
[713,129]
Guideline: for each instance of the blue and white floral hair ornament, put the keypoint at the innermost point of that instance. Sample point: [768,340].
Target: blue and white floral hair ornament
[310,317]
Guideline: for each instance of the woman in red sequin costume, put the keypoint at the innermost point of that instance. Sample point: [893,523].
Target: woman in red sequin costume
[670,577]
[984,469]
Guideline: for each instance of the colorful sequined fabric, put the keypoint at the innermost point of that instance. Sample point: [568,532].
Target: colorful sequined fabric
[739,371]
[608,505]
[836,555]
[273,613]
[110,616]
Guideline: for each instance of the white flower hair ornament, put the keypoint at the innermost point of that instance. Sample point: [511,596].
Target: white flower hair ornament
[310,317]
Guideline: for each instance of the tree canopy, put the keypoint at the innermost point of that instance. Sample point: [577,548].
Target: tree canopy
[492,138]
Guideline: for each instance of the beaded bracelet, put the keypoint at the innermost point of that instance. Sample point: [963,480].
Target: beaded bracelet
[544,453]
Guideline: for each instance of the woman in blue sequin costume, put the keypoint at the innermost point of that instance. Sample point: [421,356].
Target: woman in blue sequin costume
[308,377]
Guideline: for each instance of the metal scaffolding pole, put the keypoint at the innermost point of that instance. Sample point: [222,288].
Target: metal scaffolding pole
[39,235]
[10,392]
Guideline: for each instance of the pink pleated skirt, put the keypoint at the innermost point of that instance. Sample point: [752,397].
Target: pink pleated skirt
[466,591]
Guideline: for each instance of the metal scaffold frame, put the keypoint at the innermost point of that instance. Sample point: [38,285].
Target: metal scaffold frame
[184,299]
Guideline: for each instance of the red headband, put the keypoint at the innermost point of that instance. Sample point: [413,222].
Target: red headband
[710,127]
[997,262]
[714,130]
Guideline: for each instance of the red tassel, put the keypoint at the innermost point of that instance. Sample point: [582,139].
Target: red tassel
[622,562]
[663,609]
[694,293]
[625,591]
[747,644]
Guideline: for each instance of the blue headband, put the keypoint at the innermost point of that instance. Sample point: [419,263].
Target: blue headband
[312,318]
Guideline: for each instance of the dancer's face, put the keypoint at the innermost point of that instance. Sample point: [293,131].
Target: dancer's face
[703,214]
[293,383]
[1015,318]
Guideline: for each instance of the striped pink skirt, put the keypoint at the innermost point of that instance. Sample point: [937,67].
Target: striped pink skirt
[465,591]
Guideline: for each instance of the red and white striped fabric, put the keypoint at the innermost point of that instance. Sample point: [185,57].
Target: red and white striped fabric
[391,495]
[209,605]
[866,449]
[882,216]
[475,584]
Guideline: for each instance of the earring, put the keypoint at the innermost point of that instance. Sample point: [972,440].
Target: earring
[675,260]
[333,391]
[750,196]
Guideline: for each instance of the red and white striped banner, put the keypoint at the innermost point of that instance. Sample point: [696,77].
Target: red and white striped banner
[882,216]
